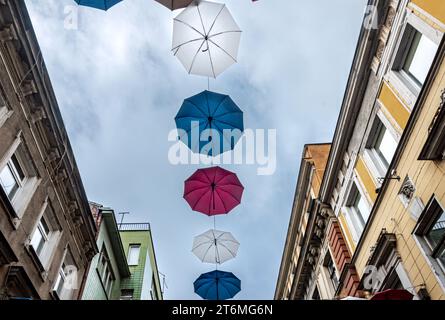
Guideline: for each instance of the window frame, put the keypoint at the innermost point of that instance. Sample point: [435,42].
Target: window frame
[429,217]
[14,166]
[404,85]
[331,273]
[353,215]
[105,271]
[134,245]
[373,157]
[43,234]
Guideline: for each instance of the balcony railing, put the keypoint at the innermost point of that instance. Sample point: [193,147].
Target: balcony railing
[134,226]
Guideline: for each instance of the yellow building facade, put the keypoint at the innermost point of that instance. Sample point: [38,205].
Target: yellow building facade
[383,192]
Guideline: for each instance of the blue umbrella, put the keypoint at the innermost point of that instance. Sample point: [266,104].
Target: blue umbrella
[98,4]
[210,115]
[217,285]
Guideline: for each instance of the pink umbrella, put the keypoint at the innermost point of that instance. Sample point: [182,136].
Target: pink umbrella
[213,191]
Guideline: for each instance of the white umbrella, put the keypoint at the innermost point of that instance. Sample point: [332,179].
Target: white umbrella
[206,38]
[215,246]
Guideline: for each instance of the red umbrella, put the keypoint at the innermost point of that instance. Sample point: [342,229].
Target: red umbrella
[213,191]
[393,294]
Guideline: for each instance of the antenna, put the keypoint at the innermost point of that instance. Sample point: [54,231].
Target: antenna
[122,219]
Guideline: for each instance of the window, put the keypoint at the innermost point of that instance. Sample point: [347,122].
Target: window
[45,237]
[431,229]
[66,280]
[61,279]
[414,58]
[331,271]
[12,177]
[127,294]
[420,57]
[40,236]
[18,176]
[105,271]
[381,147]
[133,254]
[357,212]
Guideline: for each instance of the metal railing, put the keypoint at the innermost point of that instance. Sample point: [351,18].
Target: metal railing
[134,226]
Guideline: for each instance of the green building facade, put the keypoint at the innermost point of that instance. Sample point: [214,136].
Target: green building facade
[144,282]
[109,267]
[125,267]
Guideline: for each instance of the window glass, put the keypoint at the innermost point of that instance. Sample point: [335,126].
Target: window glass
[420,57]
[362,207]
[387,147]
[37,241]
[133,255]
[17,168]
[8,181]
[437,232]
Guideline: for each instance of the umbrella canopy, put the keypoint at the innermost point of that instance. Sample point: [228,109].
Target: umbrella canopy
[213,191]
[217,285]
[98,4]
[175,4]
[215,246]
[206,38]
[216,113]
[393,294]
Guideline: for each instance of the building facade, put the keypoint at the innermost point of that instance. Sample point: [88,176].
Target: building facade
[384,187]
[47,234]
[144,282]
[305,227]
[109,267]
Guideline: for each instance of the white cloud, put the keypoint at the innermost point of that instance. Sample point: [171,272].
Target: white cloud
[119,88]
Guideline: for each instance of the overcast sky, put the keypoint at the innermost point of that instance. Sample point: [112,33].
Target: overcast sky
[119,88]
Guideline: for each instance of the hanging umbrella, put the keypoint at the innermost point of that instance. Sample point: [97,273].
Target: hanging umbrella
[213,191]
[98,4]
[392,294]
[215,246]
[206,38]
[217,285]
[175,4]
[214,112]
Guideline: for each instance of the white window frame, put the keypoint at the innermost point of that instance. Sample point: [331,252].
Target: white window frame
[351,214]
[437,267]
[405,86]
[131,246]
[23,196]
[372,159]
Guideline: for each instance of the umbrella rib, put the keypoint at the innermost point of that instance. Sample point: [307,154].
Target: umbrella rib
[232,253]
[211,62]
[222,101]
[194,58]
[223,32]
[191,27]
[190,130]
[183,44]
[223,50]
[197,107]
[230,142]
[231,195]
[199,200]
[224,205]
[216,18]
[200,188]
[230,112]
[200,17]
